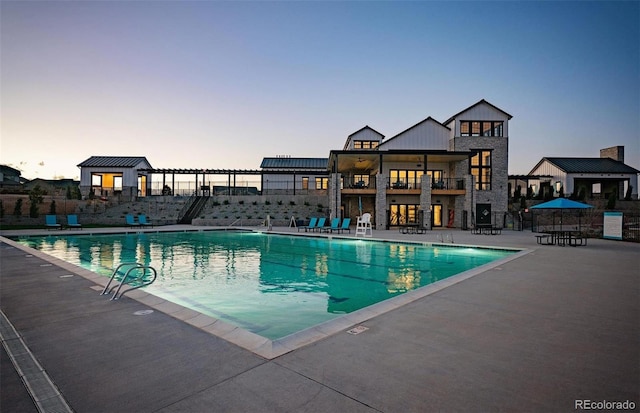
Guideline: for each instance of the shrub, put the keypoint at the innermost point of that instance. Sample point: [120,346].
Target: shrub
[280,202]
[254,203]
[292,203]
[267,203]
[226,202]
[241,202]
[17,209]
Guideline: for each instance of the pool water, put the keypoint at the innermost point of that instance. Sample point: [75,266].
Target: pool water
[272,285]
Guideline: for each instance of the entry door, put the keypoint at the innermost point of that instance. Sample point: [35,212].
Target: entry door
[483,214]
[436,215]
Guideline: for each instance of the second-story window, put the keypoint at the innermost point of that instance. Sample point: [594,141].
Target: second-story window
[481,128]
[365,144]
[481,170]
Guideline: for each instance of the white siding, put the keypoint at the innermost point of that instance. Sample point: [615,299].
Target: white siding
[557,174]
[481,112]
[427,135]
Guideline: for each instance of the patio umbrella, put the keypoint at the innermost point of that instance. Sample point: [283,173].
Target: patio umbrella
[562,204]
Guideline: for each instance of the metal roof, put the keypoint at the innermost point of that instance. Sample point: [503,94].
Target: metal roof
[592,165]
[295,163]
[114,161]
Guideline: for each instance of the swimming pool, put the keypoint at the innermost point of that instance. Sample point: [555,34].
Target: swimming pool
[272,285]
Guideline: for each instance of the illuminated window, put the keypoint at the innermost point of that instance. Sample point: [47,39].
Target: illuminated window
[365,144]
[481,170]
[404,178]
[481,128]
[322,183]
[305,182]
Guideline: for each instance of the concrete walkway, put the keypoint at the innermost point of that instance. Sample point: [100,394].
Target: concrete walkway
[537,333]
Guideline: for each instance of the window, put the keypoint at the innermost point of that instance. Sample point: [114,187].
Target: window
[360,181]
[96,180]
[365,144]
[481,170]
[404,179]
[305,182]
[322,183]
[481,128]
[403,214]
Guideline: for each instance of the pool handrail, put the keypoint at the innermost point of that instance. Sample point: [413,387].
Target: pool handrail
[134,266]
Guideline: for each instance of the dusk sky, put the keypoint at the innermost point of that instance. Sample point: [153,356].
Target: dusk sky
[210,84]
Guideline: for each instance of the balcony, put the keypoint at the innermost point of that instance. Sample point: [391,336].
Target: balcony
[359,186]
[448,186]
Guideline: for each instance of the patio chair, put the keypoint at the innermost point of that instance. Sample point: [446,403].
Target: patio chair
[320,226]
[72,221]
[345,226]
[131,221]
[335,225]
[51,222]
[142,220]
[312,225]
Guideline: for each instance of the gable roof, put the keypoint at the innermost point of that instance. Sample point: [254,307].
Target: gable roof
[366,127]
[295,163]
[415,126]
[346,144]
[589,165]
[481,102]
[114,161]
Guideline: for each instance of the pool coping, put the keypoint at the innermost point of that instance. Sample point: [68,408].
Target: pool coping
[264,347]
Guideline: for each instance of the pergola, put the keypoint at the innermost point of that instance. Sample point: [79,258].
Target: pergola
[204,189]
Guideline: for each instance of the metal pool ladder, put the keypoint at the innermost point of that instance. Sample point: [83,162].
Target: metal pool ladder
[142,271]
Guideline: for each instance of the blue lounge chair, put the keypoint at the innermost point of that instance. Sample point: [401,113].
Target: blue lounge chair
[320,225]
[72,221]
[131,221]
[51,222]
[142,219]
[312,225]
[345,226]
[335,225]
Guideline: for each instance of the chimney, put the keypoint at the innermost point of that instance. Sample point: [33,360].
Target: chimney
[614,152]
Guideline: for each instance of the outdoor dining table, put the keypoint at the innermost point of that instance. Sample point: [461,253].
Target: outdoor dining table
[566,237]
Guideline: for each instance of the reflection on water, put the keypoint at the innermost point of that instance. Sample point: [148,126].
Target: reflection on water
[270,284]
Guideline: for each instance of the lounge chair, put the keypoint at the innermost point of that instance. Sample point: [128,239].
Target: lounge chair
[51,222]
[312,225]
[335,225]
[131,221]
[72,221]
[142,220]
[345,226]
[320,226]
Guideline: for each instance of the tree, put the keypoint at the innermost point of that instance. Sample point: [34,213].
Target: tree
[35,199]
[1,209]
[68,195]
[52,207]
[627,195]
[17,209]
[611,201]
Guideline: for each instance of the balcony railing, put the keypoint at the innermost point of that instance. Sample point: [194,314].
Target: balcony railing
[448,184]
[351,183]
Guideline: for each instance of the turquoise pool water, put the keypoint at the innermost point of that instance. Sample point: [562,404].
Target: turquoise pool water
[272,285]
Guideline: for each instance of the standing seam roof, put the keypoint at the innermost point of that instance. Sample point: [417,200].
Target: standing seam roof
[592,165]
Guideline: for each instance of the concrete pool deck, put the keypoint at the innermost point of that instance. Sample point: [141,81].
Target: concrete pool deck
[537,333]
